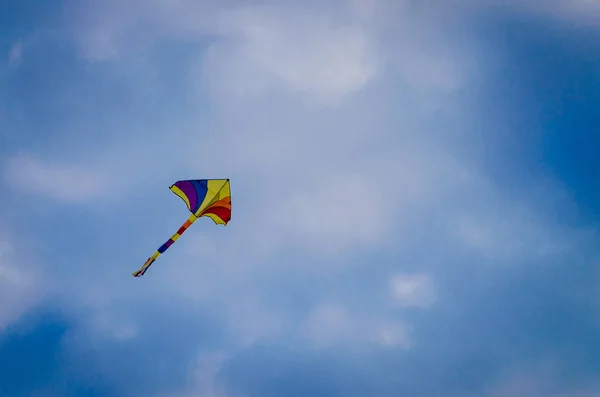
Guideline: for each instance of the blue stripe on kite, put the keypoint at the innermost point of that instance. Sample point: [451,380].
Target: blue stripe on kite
[201,190]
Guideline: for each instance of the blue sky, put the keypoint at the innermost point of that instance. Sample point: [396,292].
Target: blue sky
[415,198]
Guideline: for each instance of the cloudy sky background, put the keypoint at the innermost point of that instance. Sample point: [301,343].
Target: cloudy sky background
[415,198]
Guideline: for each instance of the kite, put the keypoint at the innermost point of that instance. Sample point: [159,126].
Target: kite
[203,197]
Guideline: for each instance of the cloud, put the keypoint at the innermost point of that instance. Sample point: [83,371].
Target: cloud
[322,52]
[67,183]
[327,211]
[21,284]
[203,377]
[296,50]
[412,290]
[331,324]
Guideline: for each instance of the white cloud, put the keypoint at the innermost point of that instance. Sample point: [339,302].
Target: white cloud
[293,49]
[332,324]
[68,183]
[249,321]
[329,323]
[322,51]
[206,369]
[412,290]
[394,335]
[339,211]
[20,284]
[202,378]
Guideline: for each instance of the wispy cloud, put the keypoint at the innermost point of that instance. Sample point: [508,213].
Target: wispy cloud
[67,183]
[412,290]
[331,324]
[290,49]
[21,284]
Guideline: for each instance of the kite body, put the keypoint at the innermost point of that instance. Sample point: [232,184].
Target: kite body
[203,197]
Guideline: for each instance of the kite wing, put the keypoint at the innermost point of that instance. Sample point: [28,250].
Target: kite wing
[203,197]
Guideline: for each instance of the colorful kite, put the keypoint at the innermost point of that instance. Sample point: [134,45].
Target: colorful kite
[203,197]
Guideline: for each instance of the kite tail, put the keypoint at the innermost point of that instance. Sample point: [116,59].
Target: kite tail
[165,246]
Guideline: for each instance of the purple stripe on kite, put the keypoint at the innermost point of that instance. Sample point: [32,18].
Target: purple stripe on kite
[166,245]
[188,189]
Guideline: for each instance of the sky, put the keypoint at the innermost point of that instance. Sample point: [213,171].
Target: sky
[415,191]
